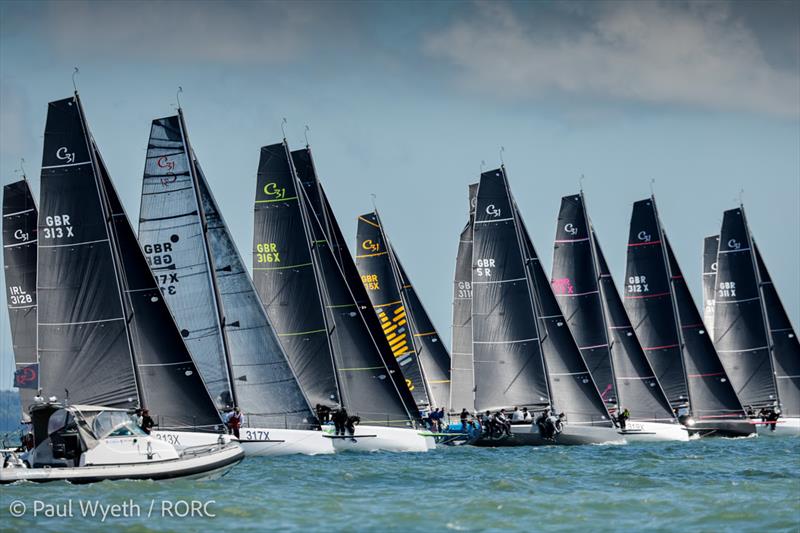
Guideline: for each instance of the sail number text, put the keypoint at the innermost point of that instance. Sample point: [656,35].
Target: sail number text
[57,227]
[637,284]
[159,257]
[18,296]
[370,282]
[727,289]
[464,289]
[485,267]
[267,252]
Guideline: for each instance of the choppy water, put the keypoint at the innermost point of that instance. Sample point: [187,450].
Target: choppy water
[706,485]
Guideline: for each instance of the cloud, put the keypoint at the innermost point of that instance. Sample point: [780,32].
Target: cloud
[695,54]
[236,32]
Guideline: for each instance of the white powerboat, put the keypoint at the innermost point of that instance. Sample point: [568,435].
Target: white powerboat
[85,444]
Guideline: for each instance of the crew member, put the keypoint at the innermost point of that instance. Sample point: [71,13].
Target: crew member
[623,417]
[340,420]
[147,423]
[234,422]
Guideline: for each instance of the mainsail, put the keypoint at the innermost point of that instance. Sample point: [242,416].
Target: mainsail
[106,334]
[380,280]
[262,382]
[19,260]
[171,232]
[367,384]
[572,389]
[785,346]
[575,283]
[648,300]
[462,386]
[577,263]
[741,333]
[710,247]
[509,369]
[284,276]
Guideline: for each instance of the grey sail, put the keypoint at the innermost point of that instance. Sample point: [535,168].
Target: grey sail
[19,260]
[171,233]
[710,247]
[648,301]
[361,344]
[284,276]
[462,386]
[507,357]
[572,389]
[741,333]
[785,346]
[82,336]
[107,335]
[576,285]
[265,386]
[638,388]
[384,289]
[711,395]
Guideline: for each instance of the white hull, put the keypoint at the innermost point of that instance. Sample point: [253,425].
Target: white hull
[206,463]
[380,438]
[784,427]
[187,439]
[260,442]
[636,431]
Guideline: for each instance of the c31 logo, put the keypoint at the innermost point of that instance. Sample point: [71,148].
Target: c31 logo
[733,244]
[63,155]
[571,229]
[371,246]
[492,211]
[644,236]
[272,189]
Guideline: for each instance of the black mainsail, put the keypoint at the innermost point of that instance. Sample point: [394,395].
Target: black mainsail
[648,301]
[106,334]
[508,364]
[636,386]
[576,284]
[785,346]
[709,392]
[369,383]
[741,332]
[462,386]
[19,260]
[262,383]
[710,247]
[383,287]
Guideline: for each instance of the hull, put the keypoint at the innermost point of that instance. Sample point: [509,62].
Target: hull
[198,463]
[380,438]
[722,428]
[636,431]
[260,442]
[528,435]
[188,439]
[784,428]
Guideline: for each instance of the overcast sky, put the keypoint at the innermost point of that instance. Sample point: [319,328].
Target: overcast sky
[405,100]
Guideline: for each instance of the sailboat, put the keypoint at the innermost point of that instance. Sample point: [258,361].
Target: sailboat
[524,353]
[672,333]
[314,297]
[462,385]
[414,340]
[755,339]
[105,335]
[585,289]
[213,300]
[19,260]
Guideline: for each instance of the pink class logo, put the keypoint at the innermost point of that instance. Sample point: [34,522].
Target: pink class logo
[164,162]
[563,286]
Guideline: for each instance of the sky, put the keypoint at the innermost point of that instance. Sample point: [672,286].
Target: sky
[408,101]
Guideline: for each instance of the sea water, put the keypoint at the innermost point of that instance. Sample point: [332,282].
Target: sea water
[712,484]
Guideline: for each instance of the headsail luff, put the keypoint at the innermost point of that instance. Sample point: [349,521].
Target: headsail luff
[648,300]
[710,247]
[741,333]
[107,336]
[383,287]
[172,233]
[285,278]
[19,258]
[508,363]
[785,346]
[576,285]
[462,386]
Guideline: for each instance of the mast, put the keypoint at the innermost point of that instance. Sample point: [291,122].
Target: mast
[209,257]
[675,316]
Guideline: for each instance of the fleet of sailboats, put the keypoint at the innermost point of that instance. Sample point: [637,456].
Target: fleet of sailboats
[104,324]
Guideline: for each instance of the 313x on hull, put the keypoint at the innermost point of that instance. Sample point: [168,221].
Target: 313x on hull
[571,435]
